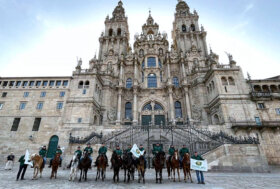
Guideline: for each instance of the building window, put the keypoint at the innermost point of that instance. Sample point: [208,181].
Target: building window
[119,32]
[277,111]
[216,119]
[43,94]
[128,110]
[15,124]
[58,83]
[11,84]
[193,27]
[224,81]
[142,76]
[38,83]
[4,94]
[258,121]
[158,107]
[45,83]
[31,83]
[25,94]
[81,85]
[143,65]
[65,83]
[22,105]
[175,82]
[18,83]
[161,76]
[152,81]
[178,109]
[1,106]
[51,83]
[231,81]
[62,94]
[84,91]
[110,32]
[40,106]
[5,83]
[79,120]
[59,105]
[128,83]
[151,62]
[261,106]
[141,53]
[147,107]
[184,28]
[25,83]
[36,124]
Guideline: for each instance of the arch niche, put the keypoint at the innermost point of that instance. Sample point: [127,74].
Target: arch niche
[52,146]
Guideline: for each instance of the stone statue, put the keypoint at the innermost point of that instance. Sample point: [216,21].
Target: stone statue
[230,58]
[112,114]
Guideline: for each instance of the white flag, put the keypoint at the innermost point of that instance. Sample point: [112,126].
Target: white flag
[26,157]
[136,152]
[199,165]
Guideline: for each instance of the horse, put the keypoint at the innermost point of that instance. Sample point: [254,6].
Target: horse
[141,169]
[159,164]
[116,161]
[187,167]
[38,164]
[101,167]
[84,165]
[128,166]
[74,167]
[55,164]
[175,164]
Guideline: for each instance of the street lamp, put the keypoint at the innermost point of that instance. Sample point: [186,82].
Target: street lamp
[149,144]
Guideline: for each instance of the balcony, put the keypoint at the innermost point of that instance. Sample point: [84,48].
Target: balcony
[261,95]
[274,124]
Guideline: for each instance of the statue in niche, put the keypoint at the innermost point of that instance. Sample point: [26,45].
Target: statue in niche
[80,62]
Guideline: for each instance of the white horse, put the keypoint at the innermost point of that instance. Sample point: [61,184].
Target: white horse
[74,167]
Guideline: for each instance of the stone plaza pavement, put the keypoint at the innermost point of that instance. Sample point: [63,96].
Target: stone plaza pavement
[213,181]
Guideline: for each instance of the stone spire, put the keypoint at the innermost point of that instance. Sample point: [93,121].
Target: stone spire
[119,12]
[182,8]
[150,27]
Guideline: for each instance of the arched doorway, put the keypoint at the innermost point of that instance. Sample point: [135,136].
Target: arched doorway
[153,113]
[52,146]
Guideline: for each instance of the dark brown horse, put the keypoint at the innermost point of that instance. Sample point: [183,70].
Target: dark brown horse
[159,164]
[175,164]
[141,169]
[101,163]
[128,166]
[187,167]
[116,161]
[84,165]
[55,164]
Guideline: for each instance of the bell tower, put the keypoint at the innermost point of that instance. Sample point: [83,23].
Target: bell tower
[116,37]
[186,32]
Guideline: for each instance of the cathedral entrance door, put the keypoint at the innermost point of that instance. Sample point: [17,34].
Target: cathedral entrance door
[146,119]
[159,119]
[153,113]
[52,146]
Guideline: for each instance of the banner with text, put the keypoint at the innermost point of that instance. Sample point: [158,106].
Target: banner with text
[199,165]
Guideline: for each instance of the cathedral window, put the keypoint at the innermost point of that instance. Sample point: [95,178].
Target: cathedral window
[273,88]
[160,52]
[178,109]
[184,28]
[158,107]
[65,83]
[231,81]
[141,53]
[22,105]
[216,119]
[5,83]
[86,84]
[62,94]
[224,81]
[45,83]
[84,91]
[142,76]
[38,83]
[110,32]
[119,32]
[128,83]
[152,81]
[143,65]
[1,105]
[175,82]
[25,94]
[59,105]
[265,88]
[79,120]
[11,84]
[147,107]
[58,83]
[161,76]
[193,27]
[40,106]
[151,62]
[31,83]
[4,94]
[81,85]
[261,106]
[25,83]
[18,83]
[257,88]
[36,124]
[213,85]
[277,111]
[128,110]
[51,83]
[15,124]
[43,94]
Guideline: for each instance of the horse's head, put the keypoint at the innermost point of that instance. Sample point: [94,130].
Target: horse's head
[57,155]
[176,154]
[186,156]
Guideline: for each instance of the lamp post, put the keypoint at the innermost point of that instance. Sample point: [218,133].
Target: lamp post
[149,144]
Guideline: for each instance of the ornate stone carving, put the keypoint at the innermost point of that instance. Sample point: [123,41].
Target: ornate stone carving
[196,112]
[112,114]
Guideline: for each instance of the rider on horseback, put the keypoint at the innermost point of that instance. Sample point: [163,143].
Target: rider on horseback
[43,154]
[118,151]
[141,150]
[171,153]
[182,152]
[156,150]
[102,150]
[89,151]
[128,149]
[58,151]
[78,152]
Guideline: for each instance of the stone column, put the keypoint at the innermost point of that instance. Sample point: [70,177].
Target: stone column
[118,122]
[135,118]
[188,107]
[171,105]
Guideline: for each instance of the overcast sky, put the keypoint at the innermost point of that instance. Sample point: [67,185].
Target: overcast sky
[44,37]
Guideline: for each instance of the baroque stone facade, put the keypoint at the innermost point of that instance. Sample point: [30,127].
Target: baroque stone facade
[150,85]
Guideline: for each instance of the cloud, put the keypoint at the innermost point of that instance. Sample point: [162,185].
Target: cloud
[248,8]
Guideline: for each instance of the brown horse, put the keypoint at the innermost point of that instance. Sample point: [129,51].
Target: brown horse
[128,166]
[116,161]
[159,164]
[175,164]
[141,169]
[38,164]
[84,165]
[101,167]
[187,167]
[55,164]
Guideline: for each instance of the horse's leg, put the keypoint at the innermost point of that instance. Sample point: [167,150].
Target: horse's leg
[86,174]
[124,174]
[160,174]
[190,175]
[97,174]
[156,176]
[178,171]
[41,170]
[81,175]
[143,175]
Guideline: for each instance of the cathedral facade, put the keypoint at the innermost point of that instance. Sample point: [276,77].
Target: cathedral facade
[153,84]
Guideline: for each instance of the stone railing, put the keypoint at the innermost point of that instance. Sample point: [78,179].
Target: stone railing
[261,94]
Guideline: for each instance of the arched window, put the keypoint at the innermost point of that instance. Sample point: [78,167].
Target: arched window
[224,81]
[128,83]
[175,82]
[216,119]
[160,52]
[257,88]
[81,84]
[273,88]
[147,107]
[128,110]
[178,109]
[142,76]
[184,28]
[119,32]
[161,76]
[265,88]
[208,90]
[213,85]
[151,62]
[158,107]
[141,52]
[87,83]
[231,81]
[110,32]
[152,81]
[210,87]
[193,27]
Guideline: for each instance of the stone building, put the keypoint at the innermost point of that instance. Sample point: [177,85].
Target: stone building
[179,93]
